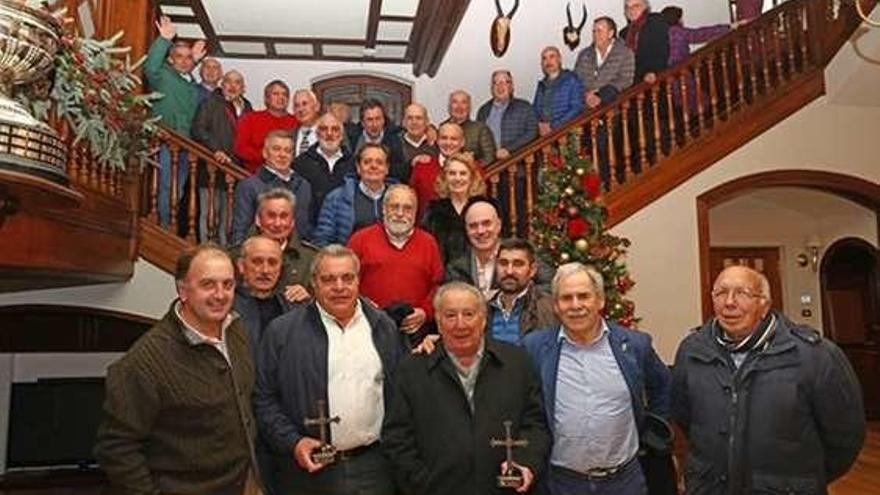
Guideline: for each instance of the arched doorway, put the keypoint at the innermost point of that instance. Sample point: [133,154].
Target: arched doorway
[353,89]
[851,311]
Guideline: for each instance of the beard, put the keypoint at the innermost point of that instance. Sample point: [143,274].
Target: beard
[398,228]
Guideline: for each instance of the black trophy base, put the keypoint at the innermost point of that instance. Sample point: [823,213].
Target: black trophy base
[324,455]
[509,481]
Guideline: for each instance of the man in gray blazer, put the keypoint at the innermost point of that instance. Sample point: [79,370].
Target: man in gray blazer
[607,66]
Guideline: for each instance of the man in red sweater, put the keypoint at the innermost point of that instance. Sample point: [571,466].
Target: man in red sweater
[400,263]
[253,127]
[450,140]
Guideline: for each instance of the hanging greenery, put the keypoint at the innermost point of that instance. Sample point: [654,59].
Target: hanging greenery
[93,87]
[570,226]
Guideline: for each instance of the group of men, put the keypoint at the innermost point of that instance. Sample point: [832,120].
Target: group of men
[322,147]
[220,401]
[332,350]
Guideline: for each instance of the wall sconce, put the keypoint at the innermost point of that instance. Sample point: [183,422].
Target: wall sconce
[811,256]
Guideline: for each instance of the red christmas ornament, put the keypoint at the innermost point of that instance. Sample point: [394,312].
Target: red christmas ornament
[592,185]
[577,227]
[556,161]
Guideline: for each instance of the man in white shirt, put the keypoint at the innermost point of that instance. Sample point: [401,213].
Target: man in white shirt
[307,110]
[341,350]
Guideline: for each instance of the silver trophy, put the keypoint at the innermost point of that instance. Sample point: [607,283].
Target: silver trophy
[29,40]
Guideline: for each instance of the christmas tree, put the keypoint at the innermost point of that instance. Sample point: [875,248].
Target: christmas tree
[569,225]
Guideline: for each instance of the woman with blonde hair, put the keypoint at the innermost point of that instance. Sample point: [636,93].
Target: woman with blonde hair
[460,180]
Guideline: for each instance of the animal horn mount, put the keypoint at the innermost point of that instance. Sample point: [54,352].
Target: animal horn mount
[571,35]
[499,33]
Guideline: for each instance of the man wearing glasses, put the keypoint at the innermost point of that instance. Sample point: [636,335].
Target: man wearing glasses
[768,406]
[401,266]
[340,350]
[326,163]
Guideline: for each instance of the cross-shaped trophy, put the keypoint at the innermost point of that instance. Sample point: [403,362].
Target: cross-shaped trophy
[325,453]
[510,477]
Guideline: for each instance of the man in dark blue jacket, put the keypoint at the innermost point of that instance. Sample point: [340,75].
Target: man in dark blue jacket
[341,350]
[600,380]
[257,303]
[559,96]
[275,172]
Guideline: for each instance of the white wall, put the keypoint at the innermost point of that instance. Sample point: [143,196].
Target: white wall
[148,293]
[469,61]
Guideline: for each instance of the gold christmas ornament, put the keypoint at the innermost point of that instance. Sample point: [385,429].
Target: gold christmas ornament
[569,191]
[564,257]
[580,172]
[581,245]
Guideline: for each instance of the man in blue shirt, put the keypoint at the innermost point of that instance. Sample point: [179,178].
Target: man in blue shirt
[599,381]
[519,306]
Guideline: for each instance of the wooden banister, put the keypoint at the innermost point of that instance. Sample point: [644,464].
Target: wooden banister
[206,191]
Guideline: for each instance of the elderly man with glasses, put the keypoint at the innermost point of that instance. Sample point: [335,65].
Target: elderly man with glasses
[768,406]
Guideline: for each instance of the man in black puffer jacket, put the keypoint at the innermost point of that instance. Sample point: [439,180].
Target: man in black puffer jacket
[768,406]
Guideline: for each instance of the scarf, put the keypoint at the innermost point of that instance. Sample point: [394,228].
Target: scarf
[758,339]
[633,31]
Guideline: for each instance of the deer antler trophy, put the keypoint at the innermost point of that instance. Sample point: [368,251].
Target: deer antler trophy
[499,33]
[572,35]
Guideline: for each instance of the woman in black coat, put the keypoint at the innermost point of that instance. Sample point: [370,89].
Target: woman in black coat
[460,180]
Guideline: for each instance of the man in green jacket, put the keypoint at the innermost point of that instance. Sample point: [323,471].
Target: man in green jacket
[177,412]
[168,69]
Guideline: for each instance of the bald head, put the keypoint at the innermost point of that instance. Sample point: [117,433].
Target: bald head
[741,299]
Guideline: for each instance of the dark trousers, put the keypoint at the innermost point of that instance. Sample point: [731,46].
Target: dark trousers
[627,481]
[368,473]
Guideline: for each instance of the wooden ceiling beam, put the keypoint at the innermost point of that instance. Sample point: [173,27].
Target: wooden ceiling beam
[373,23]
[433,32]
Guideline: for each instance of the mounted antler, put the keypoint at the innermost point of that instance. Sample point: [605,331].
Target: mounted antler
[572,35]
[499,33]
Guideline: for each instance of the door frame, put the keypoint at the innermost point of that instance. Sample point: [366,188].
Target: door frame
[855,189]
[848,242]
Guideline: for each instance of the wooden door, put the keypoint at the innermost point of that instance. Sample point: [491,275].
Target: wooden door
[850,307]
[762,259]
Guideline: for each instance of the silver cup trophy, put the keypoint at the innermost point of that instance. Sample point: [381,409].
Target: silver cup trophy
[29,40]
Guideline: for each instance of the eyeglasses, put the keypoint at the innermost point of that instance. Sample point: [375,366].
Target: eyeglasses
[740,294]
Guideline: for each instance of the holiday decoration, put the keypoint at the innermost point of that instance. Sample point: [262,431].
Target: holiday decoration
[95,91]
[570,226]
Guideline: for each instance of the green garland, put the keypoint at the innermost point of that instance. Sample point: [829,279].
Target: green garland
[96,91]
[570,226]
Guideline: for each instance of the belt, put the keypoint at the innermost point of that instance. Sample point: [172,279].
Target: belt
[594,473]
[344,455]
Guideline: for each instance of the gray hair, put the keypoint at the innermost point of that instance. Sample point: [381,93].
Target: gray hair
[398,187]
[573,268]
[306,91]
[500,71]
[334,251]
[275,193]
[460,286]
[246,245]
[764,285]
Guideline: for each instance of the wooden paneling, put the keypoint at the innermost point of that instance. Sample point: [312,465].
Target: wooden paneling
[87,245]
[41,328]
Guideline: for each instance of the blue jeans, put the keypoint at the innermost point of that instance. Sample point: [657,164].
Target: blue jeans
[163,195]
[219,215]
[627,481]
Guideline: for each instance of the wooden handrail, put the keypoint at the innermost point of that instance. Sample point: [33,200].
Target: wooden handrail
[164,209]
